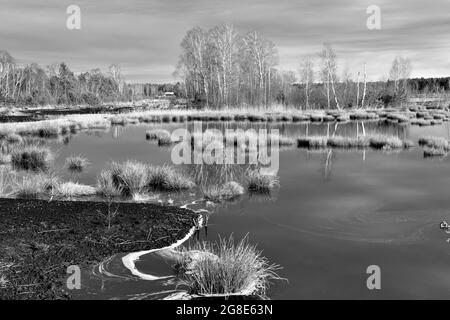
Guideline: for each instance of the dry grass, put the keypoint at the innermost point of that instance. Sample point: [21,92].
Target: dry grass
[260,183]
[73,189]
[228,191]
[226,268]
[31,157]
[77,163]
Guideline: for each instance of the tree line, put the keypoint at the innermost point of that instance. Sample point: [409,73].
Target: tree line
[57,84]
[221,67]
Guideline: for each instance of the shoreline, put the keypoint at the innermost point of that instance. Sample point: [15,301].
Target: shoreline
[40,239]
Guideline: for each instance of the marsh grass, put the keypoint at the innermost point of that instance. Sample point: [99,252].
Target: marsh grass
[261,183]
[77,163]
[429,152]
[228,191]
[106,187]
[226,268]
[5,182]
[131,177]
[385,142]
[156,134]
[31,157]
[166,178]
[165,141]
[135,179]
[32,186]
[375,142]
[434,142]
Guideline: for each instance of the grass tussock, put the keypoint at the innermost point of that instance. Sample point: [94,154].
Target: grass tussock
[134,179]
[385,142]
[31,157]
[228,191]
[77,163]
[429,152]
[156,134]
[376,142]
[434,142]
[261,183]
[106,186]
[131,177]
[33,186]
[226,268]
[166,178]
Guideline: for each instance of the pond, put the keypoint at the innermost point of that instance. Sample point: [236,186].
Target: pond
[336,213]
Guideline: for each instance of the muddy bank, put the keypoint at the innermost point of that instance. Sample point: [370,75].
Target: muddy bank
[40,239]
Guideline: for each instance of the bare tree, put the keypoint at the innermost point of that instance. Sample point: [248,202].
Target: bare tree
[307,76]
[329,68]
[400,70]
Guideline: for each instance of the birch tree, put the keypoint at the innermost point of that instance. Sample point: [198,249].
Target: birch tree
[307,76]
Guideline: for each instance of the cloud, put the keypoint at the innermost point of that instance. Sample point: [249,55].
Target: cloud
[143,36]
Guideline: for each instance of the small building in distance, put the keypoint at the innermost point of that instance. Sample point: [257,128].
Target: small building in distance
[169,94]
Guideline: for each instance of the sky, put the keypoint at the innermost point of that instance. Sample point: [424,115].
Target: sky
[143,36]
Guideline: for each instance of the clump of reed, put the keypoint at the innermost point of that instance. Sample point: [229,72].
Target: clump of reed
[130,176]
[166,178]
[261,183]
[385,142]
[312,142]
[32,186]
[375,141]
[398,117]
[165,141]
[226,268]
[5,182]
[363,116]
[429,152]
[77,163]
[31,157]
[119,121]
[228,191]
[135,179]
[156,134]
[106,186]
[347,142]
[434,142]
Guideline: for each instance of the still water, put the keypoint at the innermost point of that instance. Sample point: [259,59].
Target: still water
[335,213]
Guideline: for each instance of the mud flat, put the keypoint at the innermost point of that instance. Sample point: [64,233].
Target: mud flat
[40,239]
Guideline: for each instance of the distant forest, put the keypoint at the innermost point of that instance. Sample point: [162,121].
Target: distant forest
[220,67]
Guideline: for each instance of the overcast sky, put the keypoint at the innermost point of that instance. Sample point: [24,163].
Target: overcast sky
[143,36]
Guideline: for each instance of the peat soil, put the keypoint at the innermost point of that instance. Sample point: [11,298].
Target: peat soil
[40,239]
